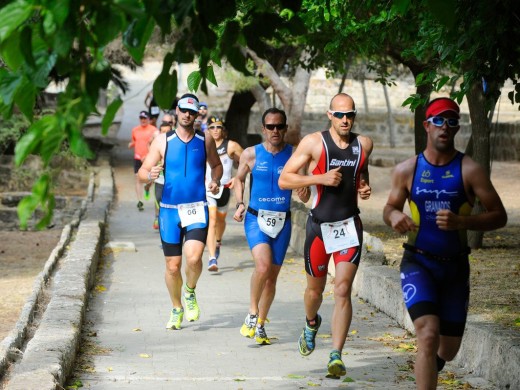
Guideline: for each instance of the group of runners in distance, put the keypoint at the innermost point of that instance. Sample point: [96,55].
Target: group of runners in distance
[191,162]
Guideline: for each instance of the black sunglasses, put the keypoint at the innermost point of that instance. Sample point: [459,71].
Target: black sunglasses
[278,126]
[215,127]
[191,112]
[340,114]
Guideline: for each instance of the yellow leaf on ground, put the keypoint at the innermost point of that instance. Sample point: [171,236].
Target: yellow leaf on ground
[144,355]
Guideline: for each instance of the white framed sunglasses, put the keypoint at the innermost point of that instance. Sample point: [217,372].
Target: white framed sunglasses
[439,121]
[340,114]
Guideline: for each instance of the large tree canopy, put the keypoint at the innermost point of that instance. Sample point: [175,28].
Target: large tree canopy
[45,40]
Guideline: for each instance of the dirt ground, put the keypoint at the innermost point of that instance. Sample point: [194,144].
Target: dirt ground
[24,253]
[495,280]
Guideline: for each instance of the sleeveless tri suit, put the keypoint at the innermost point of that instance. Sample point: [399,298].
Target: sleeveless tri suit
[183,212]
[435,266]
[334,204]
[268,204]
[221,201]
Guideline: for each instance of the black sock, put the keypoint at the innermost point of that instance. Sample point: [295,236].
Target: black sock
[313,322]
[440,363]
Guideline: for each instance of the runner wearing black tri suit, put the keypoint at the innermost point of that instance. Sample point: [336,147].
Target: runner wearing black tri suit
[332,204]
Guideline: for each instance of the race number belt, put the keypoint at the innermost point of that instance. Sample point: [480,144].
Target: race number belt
[270,222]
[189,213]
[339,235]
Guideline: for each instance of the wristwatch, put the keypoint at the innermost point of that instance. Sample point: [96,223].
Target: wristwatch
[240,203]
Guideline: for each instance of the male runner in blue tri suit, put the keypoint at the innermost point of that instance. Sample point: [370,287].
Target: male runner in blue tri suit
[268,219]
[338,161]
[441,185]
[183,213]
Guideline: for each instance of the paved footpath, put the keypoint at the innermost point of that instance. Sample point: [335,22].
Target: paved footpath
[130,306]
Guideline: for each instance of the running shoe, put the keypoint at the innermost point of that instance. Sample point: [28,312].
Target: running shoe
[156,224]
[249,326]
[261,337]
[192,308]
[306,343]
[213,265]
[336,367]
[175,319]
[140,206]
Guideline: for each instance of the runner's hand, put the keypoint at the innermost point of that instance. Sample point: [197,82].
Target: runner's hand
[364,190]
[213,187]
[332,178]
[239,214]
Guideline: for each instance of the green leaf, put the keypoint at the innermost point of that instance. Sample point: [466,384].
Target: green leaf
[108,27]
[26,47]
[165,86]
[25,98]
[60,10]
[79,146]
[110,114]
[401,6]
[26,209]
[237,59]
[194,80]
[10,51]
[49,25]
[443,11]
[136,37]
[63,41]
[210,75]
[348,380]
[41,195]
[52,138]
[9,84]
[30,140]
[12,16]
[44,67]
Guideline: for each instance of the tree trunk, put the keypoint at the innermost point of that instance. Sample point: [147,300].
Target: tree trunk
[237,116]
[389,118]
[292,97]
[419,116]
[295,115]
[480,131]
[365,97]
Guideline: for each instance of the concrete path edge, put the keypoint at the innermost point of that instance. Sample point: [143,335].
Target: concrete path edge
[48,357]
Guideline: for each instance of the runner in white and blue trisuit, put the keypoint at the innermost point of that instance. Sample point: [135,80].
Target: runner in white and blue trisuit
[337,160]
[183,214]
[229,153]
[268,219]
[441,186]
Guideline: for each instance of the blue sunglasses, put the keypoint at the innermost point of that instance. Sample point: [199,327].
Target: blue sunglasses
[439,121]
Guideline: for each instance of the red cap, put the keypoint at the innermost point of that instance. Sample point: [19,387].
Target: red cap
[440,105]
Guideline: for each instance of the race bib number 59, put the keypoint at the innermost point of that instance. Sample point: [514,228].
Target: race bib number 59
[271,222]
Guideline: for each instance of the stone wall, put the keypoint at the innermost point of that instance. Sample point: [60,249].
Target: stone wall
[371,105]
